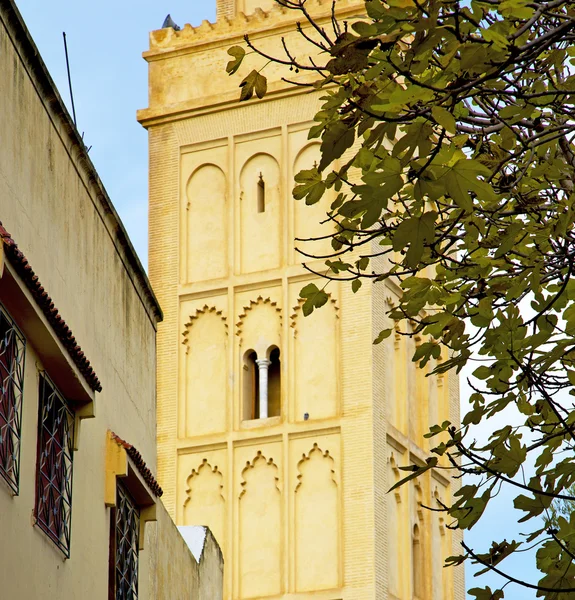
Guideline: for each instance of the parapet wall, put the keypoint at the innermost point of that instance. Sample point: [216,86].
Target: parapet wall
[228,26]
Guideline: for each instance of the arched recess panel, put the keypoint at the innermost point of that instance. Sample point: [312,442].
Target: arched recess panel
[260,230]
[259,326]
[308,219]
[204,503]
[316,381]
[260,529]
[317,523]
[206,237]
[203,402]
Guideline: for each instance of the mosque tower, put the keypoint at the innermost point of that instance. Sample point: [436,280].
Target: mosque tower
[281,432]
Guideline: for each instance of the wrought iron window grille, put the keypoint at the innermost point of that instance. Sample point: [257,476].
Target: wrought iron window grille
[12,355]
[54,467]
[124,546]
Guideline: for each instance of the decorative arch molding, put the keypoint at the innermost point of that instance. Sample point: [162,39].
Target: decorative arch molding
[419,500]
[204,226]
[197,473]
[205,310]
[259,209]
[395,470]
[317,385]
[305,149]
[259,458]
[254,157]
[297,309]
[306,457]
[197,170]
[260,301]
[317,539]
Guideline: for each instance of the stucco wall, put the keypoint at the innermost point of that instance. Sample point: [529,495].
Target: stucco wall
[179,576]
[55,207]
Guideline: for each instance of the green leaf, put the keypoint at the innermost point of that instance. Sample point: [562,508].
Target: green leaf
[311,187]
[464,177]
[337,138]
[254,82]
[383,335]
[414,233]
[314,298]
[238,54]
[355,285]
[444,118]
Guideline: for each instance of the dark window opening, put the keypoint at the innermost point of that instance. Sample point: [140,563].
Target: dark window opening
[274,384]
[251,387]
[54,468]
[124,547]
[261,194]
[12,347]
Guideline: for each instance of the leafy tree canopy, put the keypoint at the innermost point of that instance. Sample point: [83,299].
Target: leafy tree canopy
[447,136]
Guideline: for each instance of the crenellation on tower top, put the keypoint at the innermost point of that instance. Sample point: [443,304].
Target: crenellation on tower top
[236,17]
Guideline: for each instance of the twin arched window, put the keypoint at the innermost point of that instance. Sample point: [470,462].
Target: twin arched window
[261,385]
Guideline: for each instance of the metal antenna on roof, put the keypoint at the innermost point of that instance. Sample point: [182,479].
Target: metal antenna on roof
[69,78]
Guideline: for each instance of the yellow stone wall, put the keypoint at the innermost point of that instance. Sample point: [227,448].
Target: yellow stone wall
[298,504]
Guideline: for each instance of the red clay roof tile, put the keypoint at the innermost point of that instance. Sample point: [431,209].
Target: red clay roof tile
[140,464]
[63,332]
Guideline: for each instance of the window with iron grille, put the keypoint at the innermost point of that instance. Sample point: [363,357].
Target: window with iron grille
[54,469]
[12,347]
[124,546]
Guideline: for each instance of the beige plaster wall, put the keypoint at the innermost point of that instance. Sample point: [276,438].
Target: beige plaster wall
[54,205]
[178,575]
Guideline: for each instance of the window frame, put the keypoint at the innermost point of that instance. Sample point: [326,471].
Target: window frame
[55,523]
[118,526]
[11,412]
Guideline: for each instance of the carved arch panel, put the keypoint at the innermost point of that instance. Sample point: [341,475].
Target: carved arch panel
[260,526]
[309,221]
[260,224]
[317,523]
[205,245]
[316,382]
[205,503]
[203,403]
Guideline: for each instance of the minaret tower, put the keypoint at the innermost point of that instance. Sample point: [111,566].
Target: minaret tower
[281,432]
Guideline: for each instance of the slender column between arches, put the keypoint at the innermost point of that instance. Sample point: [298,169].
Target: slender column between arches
[263,366]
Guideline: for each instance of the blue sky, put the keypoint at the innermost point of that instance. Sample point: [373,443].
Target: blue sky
[109,76]
[105,42]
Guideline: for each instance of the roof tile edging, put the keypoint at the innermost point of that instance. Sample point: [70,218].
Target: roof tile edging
[44,301]
[138,460]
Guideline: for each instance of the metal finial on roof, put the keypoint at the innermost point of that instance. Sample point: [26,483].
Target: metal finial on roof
[169,22]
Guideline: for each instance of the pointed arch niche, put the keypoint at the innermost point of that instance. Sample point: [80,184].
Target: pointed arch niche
[260,214]
[204,393]
[205,503]
[309,220]
[317,523]
[205,246]
[260,557]
[259,333]
[316,382]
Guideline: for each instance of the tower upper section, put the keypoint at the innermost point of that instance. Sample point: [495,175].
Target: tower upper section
[188,67]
